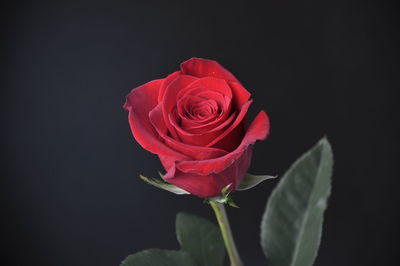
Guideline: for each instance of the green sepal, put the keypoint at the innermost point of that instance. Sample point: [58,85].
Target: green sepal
[250,181]
[161,175]
[225,191]
[231,203]
[164,185]
[224,198]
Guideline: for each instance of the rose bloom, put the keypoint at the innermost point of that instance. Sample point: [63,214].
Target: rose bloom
[194,120]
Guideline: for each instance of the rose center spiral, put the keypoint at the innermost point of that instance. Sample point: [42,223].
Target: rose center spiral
[202,110]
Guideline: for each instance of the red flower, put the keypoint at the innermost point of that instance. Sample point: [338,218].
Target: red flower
[194,120]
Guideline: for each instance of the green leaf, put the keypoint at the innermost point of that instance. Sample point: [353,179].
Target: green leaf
[201,244]
[250,181]
[158,257]
[164,185]
[201,238]
[292,223]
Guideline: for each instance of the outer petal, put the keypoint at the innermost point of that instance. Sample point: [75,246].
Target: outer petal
[200,68]
[206,178]
[170,78]
[240,94]
[139,103]
[206,186]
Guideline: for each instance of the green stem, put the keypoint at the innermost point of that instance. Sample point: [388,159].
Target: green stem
[223,222]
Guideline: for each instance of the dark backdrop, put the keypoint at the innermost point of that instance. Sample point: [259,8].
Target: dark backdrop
[69,169]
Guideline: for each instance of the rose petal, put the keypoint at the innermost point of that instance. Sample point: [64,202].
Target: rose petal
[166,83]
[169,99]
[199,67]
[197,126]
[211,185]
[189,104]
[139,102]
[240,94]
[233,134]
[207,83]
[195,153]
[207,178]
[257,130]
[207,87]
[201,139]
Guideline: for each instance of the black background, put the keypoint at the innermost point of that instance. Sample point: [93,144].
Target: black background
[69,170]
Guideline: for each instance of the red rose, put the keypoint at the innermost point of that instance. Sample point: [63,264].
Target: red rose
[194,120]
